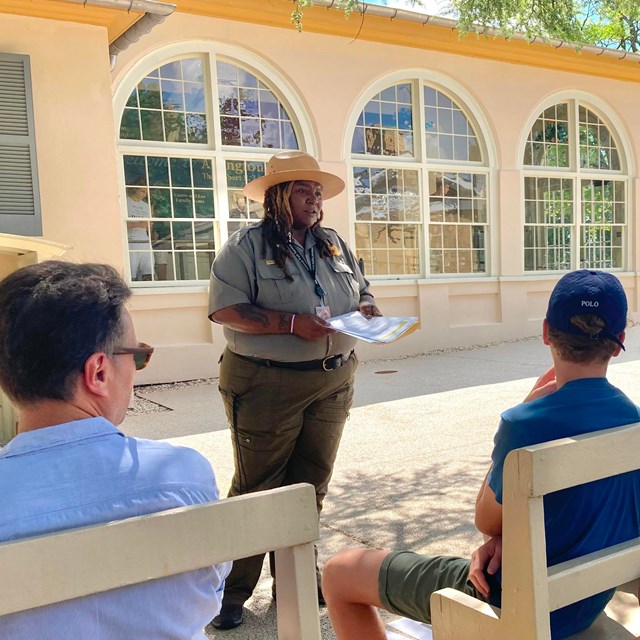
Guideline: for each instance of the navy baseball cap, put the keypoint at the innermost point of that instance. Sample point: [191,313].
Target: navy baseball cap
[588,291]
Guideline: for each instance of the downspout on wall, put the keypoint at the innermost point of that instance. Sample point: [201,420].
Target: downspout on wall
[154,13]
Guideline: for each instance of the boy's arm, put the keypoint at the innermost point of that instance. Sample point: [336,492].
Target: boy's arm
[488,511]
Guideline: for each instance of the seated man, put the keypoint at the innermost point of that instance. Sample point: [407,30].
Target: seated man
[68,355]
[584,328]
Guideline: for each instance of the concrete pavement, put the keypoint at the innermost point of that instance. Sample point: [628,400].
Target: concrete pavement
[414,452]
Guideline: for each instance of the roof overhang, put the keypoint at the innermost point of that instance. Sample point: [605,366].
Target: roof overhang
[372,23]
[115,21]
[410,29]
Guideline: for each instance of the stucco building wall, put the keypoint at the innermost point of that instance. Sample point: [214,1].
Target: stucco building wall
[77,112]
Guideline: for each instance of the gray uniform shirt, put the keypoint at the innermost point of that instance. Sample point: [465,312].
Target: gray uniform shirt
[240,275]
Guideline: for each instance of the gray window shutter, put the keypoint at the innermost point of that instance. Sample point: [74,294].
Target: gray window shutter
[19,194]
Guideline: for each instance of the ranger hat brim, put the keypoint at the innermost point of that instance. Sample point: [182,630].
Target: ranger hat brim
[290,166]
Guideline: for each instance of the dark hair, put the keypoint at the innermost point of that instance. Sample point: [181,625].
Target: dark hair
[277,227]
[53,316]
[583,349]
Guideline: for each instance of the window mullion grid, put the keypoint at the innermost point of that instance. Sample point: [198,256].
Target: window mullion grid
[423,166]
[372,163]
[600,176]
[223,217]
[421,156]
[220,228]
[443,168]
[576,227]
[213,102]
[575,169]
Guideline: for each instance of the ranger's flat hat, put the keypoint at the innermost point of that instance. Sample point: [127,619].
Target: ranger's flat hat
[289,166]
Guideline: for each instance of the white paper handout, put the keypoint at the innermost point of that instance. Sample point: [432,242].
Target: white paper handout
[394,636]
[380,329]
[418,630]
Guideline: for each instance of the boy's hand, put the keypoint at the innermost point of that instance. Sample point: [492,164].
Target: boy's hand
[543,386]
[487,558]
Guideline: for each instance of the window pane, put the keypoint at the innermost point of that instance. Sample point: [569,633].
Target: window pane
[385,124]
[149,93]
[449,135]
[260,119]
[385,203]
[161,203]
[601,247]
[152,126]
[174,127]
[130,125]
[547,248]
[597,147]
[196,128]
[601,241]
[180,172]
[170,105]
[158,171]
[238,173]
[456,201]
[159,188]
[548,141]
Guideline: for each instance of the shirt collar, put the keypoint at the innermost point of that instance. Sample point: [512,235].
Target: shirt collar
[49,437]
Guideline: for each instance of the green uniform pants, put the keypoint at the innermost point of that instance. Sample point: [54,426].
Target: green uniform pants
[286,426]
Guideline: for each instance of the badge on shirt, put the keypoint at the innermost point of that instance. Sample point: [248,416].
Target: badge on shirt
[324,312]
[270,262]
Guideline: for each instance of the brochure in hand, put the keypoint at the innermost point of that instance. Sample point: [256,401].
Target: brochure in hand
[380,329]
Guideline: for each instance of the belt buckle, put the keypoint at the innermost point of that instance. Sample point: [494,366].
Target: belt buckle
[338,360]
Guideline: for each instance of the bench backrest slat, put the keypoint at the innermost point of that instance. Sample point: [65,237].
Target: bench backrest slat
[57,567]
[595,572]
[573,461]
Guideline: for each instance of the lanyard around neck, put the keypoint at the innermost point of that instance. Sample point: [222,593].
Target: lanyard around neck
[311,267]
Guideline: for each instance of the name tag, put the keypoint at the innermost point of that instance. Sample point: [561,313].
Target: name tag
[270,262]
[324,312]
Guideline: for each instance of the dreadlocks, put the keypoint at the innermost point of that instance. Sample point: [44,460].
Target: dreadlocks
[277,227]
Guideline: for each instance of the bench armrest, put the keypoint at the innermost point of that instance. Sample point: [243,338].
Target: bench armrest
[456,615]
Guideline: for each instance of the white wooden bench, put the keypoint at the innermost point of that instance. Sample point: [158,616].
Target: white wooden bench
[530,590]
[52,568]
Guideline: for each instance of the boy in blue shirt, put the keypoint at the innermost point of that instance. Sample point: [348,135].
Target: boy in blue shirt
[584,329]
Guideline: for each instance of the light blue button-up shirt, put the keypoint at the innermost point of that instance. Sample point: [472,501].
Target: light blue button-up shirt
[87,472]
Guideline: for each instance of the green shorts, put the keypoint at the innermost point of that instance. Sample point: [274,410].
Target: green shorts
[407,580]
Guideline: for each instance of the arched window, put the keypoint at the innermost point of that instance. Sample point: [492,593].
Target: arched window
[575,199]
[420,181]
[193,131]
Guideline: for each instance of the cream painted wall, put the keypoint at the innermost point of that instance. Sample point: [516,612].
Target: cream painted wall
[74,133]
[332,74]
[79,172]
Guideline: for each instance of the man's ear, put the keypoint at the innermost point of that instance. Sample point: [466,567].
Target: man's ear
[545,332]
[618,349]
[95,374]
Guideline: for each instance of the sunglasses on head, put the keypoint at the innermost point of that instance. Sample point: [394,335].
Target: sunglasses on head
[141,354]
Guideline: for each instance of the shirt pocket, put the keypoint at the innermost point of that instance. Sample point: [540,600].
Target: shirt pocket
[345,276]
[274,290]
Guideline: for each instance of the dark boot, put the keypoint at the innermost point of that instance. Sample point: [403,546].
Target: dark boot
[230,617]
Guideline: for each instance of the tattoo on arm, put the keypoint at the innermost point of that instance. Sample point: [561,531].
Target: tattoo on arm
[251,313]
[284,323]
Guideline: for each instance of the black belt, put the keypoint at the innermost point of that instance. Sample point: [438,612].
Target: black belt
[326,364]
